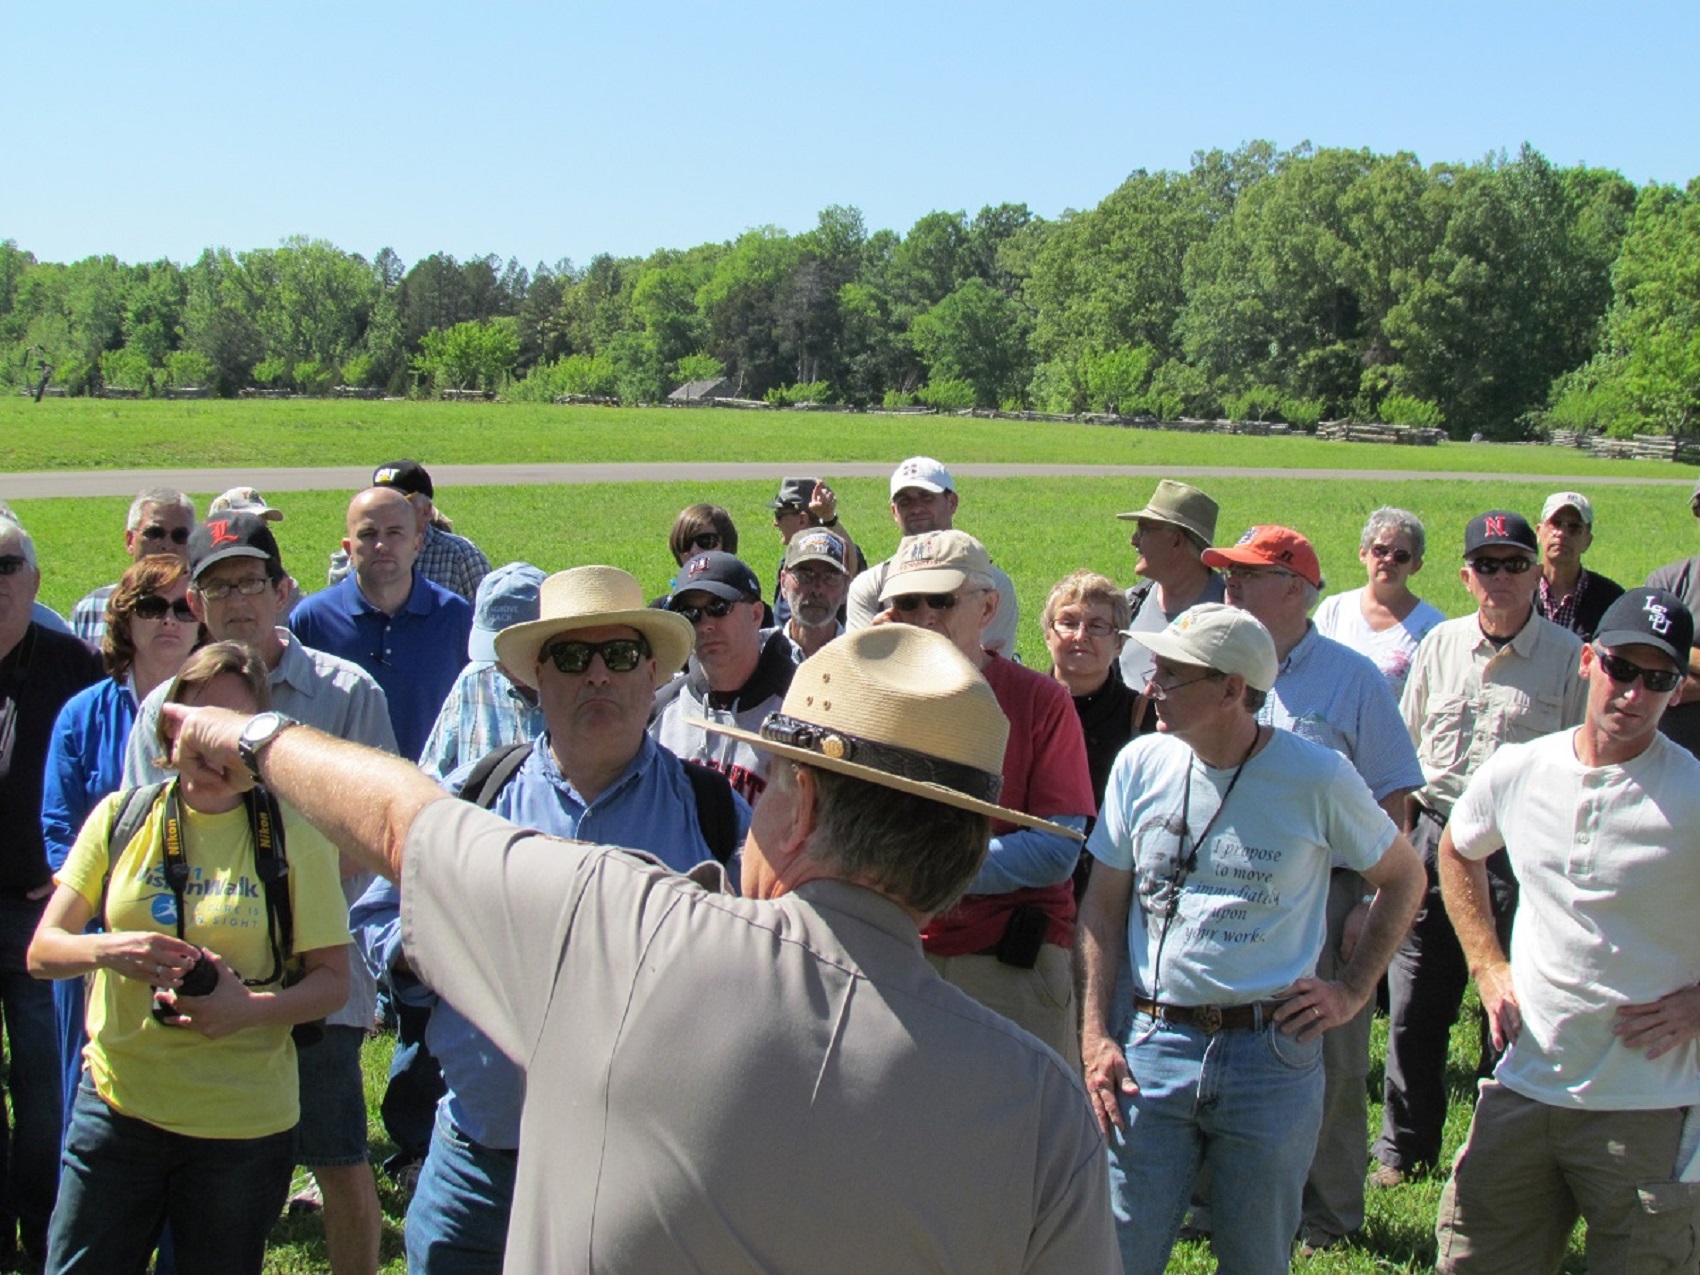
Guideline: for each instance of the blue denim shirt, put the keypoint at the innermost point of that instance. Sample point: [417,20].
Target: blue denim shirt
[651,807]
[85,761]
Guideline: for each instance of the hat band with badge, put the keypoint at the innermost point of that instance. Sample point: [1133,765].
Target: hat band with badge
[903,763]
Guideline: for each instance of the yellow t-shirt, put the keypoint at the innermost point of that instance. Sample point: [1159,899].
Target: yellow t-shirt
[243,1085]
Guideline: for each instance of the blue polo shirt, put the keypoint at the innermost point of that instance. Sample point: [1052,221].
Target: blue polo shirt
[415,654]
[650,807]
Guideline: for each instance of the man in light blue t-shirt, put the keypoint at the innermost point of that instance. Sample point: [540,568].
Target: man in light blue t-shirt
[1214,848]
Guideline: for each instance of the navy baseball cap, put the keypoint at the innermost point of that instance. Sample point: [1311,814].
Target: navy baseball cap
[406,476]
[1649,617]
[719,574]
[1500,527]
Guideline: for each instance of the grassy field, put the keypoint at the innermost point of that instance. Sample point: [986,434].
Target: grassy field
[101,434]
[1037,529]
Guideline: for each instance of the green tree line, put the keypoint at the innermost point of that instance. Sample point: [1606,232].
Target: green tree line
[1291,285]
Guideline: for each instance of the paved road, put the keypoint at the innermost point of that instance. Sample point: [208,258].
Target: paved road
[125,482]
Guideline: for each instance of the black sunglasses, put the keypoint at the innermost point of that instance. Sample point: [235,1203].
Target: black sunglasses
[1624,672]
[1493,566]
[12,563]
[619,655]
[937,601]
[718,609]
[706,540]
[177,535]
[150,606]
[1401,556]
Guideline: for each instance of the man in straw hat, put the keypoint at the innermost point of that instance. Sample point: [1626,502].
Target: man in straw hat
[1213,849]
[1010,942]
[1170,534]
[591,655]
[778,1081]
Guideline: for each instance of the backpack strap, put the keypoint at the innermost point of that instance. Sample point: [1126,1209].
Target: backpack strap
[129,813]
[1136,597]
[491,772]
[717,816]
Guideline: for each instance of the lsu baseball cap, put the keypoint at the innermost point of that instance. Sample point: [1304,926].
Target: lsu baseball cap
[1649,617]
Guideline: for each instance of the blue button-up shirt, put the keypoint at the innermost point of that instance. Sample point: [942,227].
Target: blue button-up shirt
[415,654]
[484,711]
[650,807]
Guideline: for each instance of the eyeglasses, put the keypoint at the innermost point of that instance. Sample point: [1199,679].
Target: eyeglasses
[1624,672]
[12,563]
[718,609]
[1401,556]
[1092,628]
[706,540]
[907,602]
[1241,572]
[219,590]
[1493,566]
[1156,690]
[150,606]
[619,655]
[177,535]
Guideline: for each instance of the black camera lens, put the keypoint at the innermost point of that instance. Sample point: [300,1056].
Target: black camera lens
[200,980]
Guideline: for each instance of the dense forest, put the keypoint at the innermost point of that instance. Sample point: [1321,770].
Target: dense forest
[1500,296]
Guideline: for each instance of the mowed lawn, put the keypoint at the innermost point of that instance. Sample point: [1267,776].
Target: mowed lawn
[1037,529]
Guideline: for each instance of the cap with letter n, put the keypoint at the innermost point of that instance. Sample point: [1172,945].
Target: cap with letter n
[1500,528]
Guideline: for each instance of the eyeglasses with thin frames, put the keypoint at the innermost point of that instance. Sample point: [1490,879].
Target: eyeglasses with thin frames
[1065,627]
[218,590]
[1157,691]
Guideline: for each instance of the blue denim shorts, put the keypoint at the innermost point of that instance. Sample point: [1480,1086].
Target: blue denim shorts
[332,1131]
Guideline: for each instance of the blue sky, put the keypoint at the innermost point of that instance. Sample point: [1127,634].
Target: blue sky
[562,130]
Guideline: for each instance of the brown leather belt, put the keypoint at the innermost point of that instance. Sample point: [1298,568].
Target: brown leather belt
[1210,1019]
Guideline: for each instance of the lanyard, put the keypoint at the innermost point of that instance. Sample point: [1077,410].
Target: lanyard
[265,831]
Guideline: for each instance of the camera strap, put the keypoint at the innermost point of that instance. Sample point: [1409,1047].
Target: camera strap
[265,828]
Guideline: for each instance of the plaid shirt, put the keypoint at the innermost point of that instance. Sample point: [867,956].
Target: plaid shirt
[483,712]
[453,562]
[88,617]
[1563,611]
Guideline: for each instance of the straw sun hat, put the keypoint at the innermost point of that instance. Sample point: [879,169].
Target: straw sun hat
[588,598]
[898,706]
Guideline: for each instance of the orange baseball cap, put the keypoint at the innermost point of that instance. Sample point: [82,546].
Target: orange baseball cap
[1271,547]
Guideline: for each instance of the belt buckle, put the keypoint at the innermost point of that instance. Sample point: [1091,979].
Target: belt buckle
[1208,1019]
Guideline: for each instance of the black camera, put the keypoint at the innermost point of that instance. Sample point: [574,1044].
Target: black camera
[198,980]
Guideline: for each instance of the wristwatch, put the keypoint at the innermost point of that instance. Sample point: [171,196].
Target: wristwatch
[259,732]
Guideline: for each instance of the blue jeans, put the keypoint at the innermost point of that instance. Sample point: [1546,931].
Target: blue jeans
[458,1221]
[123,1178]
[416,1082]
[1247,1103]
[29,1166]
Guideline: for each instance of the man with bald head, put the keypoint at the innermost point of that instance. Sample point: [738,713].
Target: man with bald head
[407,632]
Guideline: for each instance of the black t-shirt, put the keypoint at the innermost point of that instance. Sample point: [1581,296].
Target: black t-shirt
[37,676]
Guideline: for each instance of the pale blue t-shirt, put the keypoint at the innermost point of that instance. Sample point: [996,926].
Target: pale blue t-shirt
[1249,915]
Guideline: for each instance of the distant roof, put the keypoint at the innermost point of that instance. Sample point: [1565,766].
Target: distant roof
[718,388]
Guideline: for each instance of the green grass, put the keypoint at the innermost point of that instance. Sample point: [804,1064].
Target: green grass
[102,434]
[1037,529]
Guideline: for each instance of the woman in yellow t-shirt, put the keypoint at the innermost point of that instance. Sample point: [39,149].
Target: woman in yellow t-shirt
[188,1104]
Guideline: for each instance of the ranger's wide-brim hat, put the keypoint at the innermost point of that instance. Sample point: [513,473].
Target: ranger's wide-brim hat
[901,707]
[588,598]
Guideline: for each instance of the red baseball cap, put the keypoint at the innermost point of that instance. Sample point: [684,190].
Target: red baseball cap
[1271,547]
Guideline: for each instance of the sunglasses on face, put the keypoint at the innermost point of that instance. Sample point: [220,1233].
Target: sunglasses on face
[1493,566]
[706,540]
[177,535]
[218,590]
[907,602]
[1624,672]
[718,609]
[12,563]
[150,606]
[619,655]
[1401,556]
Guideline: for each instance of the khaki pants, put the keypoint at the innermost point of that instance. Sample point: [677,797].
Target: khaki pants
[1040,999]
[1527,1170]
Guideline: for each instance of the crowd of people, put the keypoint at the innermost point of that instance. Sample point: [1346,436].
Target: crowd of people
[909,954]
